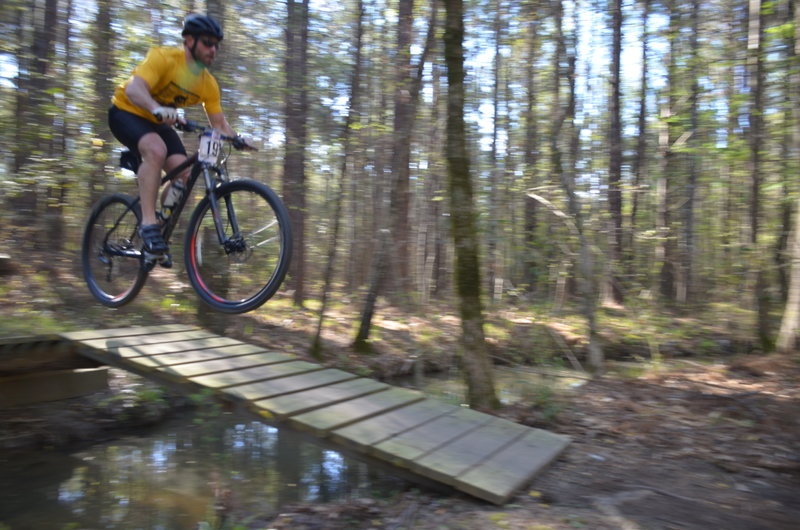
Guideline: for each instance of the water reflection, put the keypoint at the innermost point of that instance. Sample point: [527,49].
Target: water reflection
[181,474]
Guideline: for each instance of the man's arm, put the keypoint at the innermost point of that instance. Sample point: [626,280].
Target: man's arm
[218,121]
[138,92]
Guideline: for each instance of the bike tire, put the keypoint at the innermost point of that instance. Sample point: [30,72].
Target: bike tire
[111,250]
[250,271]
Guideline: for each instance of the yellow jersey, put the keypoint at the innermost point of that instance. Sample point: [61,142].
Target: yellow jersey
[173,83]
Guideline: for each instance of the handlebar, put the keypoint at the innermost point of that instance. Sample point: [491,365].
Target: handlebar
[237,142]
[193,126]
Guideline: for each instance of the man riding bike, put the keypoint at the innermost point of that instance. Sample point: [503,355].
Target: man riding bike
[144,109]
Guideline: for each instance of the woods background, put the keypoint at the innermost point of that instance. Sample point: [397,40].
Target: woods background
[623,153]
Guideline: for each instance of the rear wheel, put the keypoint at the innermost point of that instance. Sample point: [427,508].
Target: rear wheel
[111,256]
[248,267]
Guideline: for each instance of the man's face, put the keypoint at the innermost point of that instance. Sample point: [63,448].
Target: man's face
[206,49]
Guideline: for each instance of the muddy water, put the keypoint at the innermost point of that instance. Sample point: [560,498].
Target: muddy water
[178,476]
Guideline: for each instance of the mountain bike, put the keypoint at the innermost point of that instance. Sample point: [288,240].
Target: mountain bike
[237,245]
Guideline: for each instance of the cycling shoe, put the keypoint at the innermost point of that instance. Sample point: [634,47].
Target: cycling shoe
[155,248]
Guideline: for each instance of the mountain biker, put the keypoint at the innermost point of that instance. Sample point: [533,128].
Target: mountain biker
[144,109]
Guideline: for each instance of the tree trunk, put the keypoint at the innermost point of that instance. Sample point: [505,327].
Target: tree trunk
[493,199]
[477,366]
[664,277]
[687,254]
[401,150]
[613,290]
[640,159]
[352,117]
[532,263]
[296,99]
[398,207]
[585,277]
[790,323]
[34,120]
[755,70]
[103,88]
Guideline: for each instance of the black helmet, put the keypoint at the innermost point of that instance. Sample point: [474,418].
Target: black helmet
[201,25]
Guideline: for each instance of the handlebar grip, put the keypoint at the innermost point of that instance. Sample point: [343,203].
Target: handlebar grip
[188,126]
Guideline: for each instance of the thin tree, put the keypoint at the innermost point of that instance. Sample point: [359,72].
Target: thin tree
[296,101]
[350,119]
[640,159]
[755,72]
[790,323]
[101,39]
[492,222]
[532,148]
[613,291]
[406,103]
[34,125]
[567,173]
[688,244]
[475,355]
[664,277]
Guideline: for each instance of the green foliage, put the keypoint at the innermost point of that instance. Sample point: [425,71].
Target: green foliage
[59,139]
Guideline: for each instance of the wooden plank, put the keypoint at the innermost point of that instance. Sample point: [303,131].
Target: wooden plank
[252,375]
[166,359]
[403,449]
[124,332]
[325,419]
[202,367]
[466,452]
[110,343]
[282,407]
[365,433]
[497,478]
[184,345]
[289,385]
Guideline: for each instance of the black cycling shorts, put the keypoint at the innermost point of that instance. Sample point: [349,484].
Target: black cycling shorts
[129,128]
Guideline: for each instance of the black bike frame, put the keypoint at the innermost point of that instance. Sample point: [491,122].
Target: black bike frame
[172,222]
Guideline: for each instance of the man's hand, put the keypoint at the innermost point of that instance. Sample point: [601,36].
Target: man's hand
[168,115]
[242,144]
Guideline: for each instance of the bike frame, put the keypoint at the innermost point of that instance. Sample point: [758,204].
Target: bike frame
[197,167]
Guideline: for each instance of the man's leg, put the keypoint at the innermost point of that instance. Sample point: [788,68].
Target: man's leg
[172,162]
[154,154]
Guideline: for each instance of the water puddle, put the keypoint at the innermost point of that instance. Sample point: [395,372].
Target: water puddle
[173,477]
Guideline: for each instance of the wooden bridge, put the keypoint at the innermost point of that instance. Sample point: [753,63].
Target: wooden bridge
[480,454]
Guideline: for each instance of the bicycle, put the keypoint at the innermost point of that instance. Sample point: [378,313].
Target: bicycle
[238,242]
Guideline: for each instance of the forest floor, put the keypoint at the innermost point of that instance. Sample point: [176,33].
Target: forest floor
[688,430]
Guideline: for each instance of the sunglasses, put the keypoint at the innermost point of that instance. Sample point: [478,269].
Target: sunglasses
[210,43]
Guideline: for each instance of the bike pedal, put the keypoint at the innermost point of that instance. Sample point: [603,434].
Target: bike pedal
[149,260]
[147,265]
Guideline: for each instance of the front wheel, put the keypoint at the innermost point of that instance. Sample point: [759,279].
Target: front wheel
[239,263]
[110,253]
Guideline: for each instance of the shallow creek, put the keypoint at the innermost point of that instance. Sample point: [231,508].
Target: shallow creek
[177,475]
[180,474]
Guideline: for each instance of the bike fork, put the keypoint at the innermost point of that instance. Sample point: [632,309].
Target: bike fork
[216,214]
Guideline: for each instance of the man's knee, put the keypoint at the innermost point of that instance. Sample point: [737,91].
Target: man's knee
[152,148]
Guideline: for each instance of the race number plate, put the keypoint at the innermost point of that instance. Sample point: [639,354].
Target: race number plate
[210,146]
